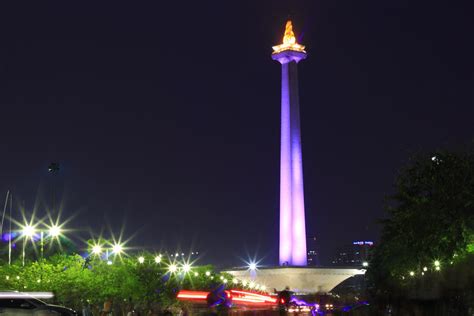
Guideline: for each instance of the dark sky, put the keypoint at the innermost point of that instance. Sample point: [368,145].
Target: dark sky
[164,116]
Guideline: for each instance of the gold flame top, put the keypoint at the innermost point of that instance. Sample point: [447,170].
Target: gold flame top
[289,41]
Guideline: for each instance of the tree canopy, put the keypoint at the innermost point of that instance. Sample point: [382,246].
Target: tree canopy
[431,219]
[77,281]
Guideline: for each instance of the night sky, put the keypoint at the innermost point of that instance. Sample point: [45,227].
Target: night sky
[164,116]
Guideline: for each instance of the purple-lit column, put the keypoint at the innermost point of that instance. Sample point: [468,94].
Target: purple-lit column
[292,213]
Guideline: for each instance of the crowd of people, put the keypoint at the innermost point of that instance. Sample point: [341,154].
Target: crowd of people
[116,308]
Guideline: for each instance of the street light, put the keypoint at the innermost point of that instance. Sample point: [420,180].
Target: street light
[28,231]
[117,249]
[172,268]
[54,231]
[252,266]
[186,267]
[365,264]
[97,250]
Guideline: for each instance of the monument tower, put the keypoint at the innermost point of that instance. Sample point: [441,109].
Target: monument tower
[293,257]
[292,213]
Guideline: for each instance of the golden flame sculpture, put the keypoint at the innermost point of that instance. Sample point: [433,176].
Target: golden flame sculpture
[289,41]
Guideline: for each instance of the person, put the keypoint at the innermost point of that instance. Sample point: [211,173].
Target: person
[116,308]
[86,309]
[167,312]
[107,310]
[284,297]
[133,312]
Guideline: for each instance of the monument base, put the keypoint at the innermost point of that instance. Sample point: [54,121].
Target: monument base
[298,279]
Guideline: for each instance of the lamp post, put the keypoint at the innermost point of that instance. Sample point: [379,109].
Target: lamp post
[28,232]
[97,249]
[42,244]
[54,231]
[10,234]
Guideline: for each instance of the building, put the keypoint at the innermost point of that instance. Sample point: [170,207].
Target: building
[313,253]
[292,212]
[355,254]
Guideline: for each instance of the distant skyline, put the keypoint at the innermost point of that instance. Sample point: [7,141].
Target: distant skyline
[164,117]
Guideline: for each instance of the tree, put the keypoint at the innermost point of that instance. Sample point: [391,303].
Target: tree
[76,280]
[431,220]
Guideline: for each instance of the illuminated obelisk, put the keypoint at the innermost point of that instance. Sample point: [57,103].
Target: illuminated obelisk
[292,213]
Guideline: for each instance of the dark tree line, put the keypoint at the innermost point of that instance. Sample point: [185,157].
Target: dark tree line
[426,251]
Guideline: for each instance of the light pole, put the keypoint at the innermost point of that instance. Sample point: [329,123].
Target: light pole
[54,231]
[23,252]
[28,232]
[117,249]
[42,244]
[114,249]
[10,234]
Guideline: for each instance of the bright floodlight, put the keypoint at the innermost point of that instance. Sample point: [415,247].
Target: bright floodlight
[208,273]
[253,266]
[196,274]
[54,231]
[263,288]
[186,267]
[141,259]
[437,263]
[251,285]
[158,259]
[365,264]
[172,268]
[412,273]
[117,249]
[224,281]
[28,231]
[437,268]
[235,281]
[96,249]
[425,269]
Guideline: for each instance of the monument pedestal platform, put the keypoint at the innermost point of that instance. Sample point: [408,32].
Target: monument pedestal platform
[298,279]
